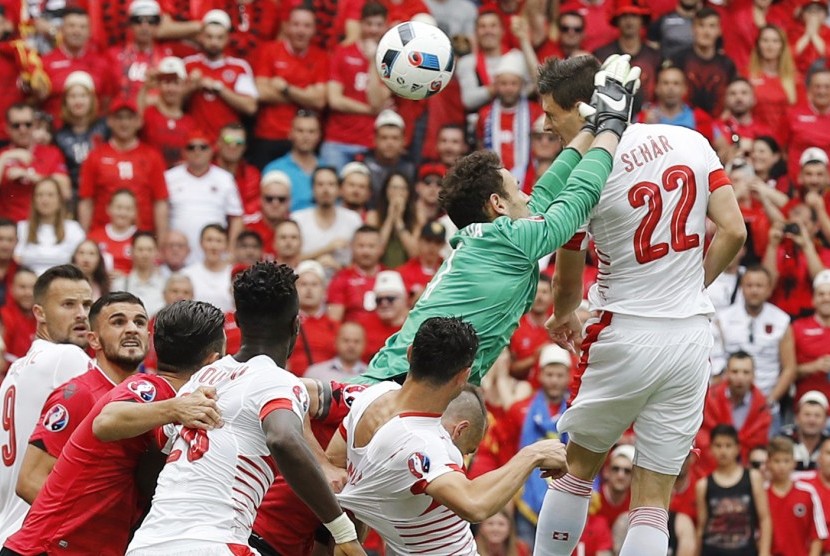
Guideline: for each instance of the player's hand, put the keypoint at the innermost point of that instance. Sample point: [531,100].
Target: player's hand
[336,476]
[613,100]
[552,458]
[349,549]
[565,331]
[199,410]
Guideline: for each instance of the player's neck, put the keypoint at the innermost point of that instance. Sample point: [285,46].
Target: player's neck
[418,397]
[176,380]
[783,486]
[115,372]
[251,347]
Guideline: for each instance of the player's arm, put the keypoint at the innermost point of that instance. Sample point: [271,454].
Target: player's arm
[553,181]
[759,494]
[34,470]
[787,374]
[128,418]
[702,512]
[564,326]
[337,449]
[730,233]
[476,500]
[286,442]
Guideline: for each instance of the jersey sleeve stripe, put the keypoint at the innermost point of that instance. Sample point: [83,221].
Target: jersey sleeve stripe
[717,179]
[273,405]
[577,242]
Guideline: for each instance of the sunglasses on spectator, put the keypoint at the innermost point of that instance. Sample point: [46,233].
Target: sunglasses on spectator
[432,181]
[18,125]
[756,464]
[566,28]
[150,19]
[617,469]
[386,299]
[275,198]
[198,147]
[231,140]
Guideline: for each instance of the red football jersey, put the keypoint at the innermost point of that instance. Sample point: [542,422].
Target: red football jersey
[610,511]
[797,519]
[350,288]
[60,63]
[168,135]
[350,68]
[317,338]
[90,501]
[117,246]
[812,340]
[527,338]
[16,195]
[415,275]
[823,491]
[376,331]
[19,329]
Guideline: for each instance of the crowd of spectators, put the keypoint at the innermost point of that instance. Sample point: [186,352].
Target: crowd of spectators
[161,146]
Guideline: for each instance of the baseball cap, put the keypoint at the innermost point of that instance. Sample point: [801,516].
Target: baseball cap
[81,78]
[813,154]
[512,63]
[625,450]
[172,65]
[628,7]
[275,176]
[389,281]
[354,168]
[816,397]
[431,168]
[198,133]
[434,231]
[311,266]
[123,103]
[217,17]
[141,8]
[553,354]
[822,278]
[389,117]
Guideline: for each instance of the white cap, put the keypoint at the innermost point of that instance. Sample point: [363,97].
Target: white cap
[218,17]
[553,354]
[81,78]
[813,154]
[814,396]
[389,117]
[311,266]
[822,279]
[512,63]
[275,176]
[172,65]
[425,17]
[354,168]
[389,281]
[144,8]
[625,450]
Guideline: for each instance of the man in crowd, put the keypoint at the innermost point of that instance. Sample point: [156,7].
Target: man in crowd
[670,106]
[812,341]
[356,187]
[230,148]
[175,250]
[347,362]
[352,287]
[211,277]
[475,71]
[274,203]
[301,161]
[247,249]
[808,123]
[809,430]
[316,339]
[388,154]
[288,243]
[419,270]
[391,308]
[145,280]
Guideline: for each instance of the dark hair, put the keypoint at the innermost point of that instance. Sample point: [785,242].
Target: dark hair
[469,184]
[319,169]
[17,106]
[741,79]
[705,12]
[758,268]
[442,348]
[186,333]
[779,168]
[217,227]
[60,272]
[372,9]
[246,234]
[8,223]
[740,354]
[111,299]
[571,13]
[665,66]
[409,209]
[121,191]
[366,229]
[781,445]
[303,6]
[143,233]
[568,81]
[235,126]
[265,293]
[814,71]
[75,10]
[100,277]
[724,429]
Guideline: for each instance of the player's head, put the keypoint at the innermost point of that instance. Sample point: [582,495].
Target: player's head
[811,416]
[466,419]
[267,304]
[781,462]
[740,373]
[478,189]
[119,330]
[188,335]
[63,297]
[563,84]
[443,352]
[756,285]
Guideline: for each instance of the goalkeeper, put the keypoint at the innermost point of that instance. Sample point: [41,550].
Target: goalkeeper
[490,278]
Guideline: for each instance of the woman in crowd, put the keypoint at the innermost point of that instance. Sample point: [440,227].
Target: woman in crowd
[768,164]
[90,260]
[48,237]
[497,537]
[395,216]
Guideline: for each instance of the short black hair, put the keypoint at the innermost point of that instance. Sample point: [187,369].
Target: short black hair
[372,9]
[60,272]
[741,79]
[442,348]
[668,65]
[111,299]
[568,81]
[740,354]
[706,12]
[16,107]
[319,169]
[8,223]
[814,71]
[758,268]
[724,429]
[75,10]
[366,229]
[249,234]
[186,333]
[469,184]
[265,292]
[143,233]
[217,227]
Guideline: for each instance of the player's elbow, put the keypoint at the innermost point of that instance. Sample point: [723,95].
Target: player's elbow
[103,427]
[27,487]
[474,513]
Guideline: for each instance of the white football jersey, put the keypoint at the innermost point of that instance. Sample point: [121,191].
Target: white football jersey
[388,478]
[649,226]
[214,481]
[31,379]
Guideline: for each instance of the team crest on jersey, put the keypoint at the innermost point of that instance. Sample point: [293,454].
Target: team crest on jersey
[56,418]
[799,510]
[418,465]
[228,75]
[143,389]
[768,328]
[350,393]
[302,397]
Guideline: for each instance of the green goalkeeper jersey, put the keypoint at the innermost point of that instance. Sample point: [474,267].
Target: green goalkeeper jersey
[491,275]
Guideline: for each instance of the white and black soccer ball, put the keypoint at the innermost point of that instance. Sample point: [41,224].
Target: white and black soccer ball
[415,60]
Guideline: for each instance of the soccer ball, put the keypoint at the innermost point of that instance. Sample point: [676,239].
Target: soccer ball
[415,60]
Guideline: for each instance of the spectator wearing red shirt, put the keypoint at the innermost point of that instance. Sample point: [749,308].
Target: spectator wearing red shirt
[391,309]
[230,148]
[809,122]
[347,363]
[814,185]
[274,201]
[810,34]
[615,492]
[110,21]
[738,402]
[418,271]
[354,92]
[8,266]
[318,332]
[598,27]
[670,107]
[114,239]
[812,341]
[350,293]
[253,24]
[222,87]
[124,162]
[820,480]
[76,53]
[291,74]
[531,336]
[24,163]
[18,322]
[737,129]
[798,524]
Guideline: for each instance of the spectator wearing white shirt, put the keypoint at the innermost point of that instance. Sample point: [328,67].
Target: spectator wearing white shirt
[326,228]
[201,194]
[347,364]
[211,278]
[48,238]
[145,280]
[288,243]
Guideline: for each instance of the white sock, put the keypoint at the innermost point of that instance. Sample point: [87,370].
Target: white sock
[562,517]
[648,533]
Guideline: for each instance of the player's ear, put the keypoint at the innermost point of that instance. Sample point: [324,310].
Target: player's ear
[459,428]
[495,206]
[409,353]
[94,342]
[40,314]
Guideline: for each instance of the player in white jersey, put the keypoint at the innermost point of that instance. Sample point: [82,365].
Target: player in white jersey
[405,476]
[63,297]
[645,353]
[209,490]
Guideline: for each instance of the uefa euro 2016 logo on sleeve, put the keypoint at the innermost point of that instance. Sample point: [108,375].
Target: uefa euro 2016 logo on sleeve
[418,465]
[56,418]
[143,389]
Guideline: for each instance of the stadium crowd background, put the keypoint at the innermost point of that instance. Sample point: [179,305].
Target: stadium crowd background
[163,147]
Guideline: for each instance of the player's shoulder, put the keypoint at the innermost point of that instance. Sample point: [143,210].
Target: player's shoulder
[49,352]
[144,387]
[665,135]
